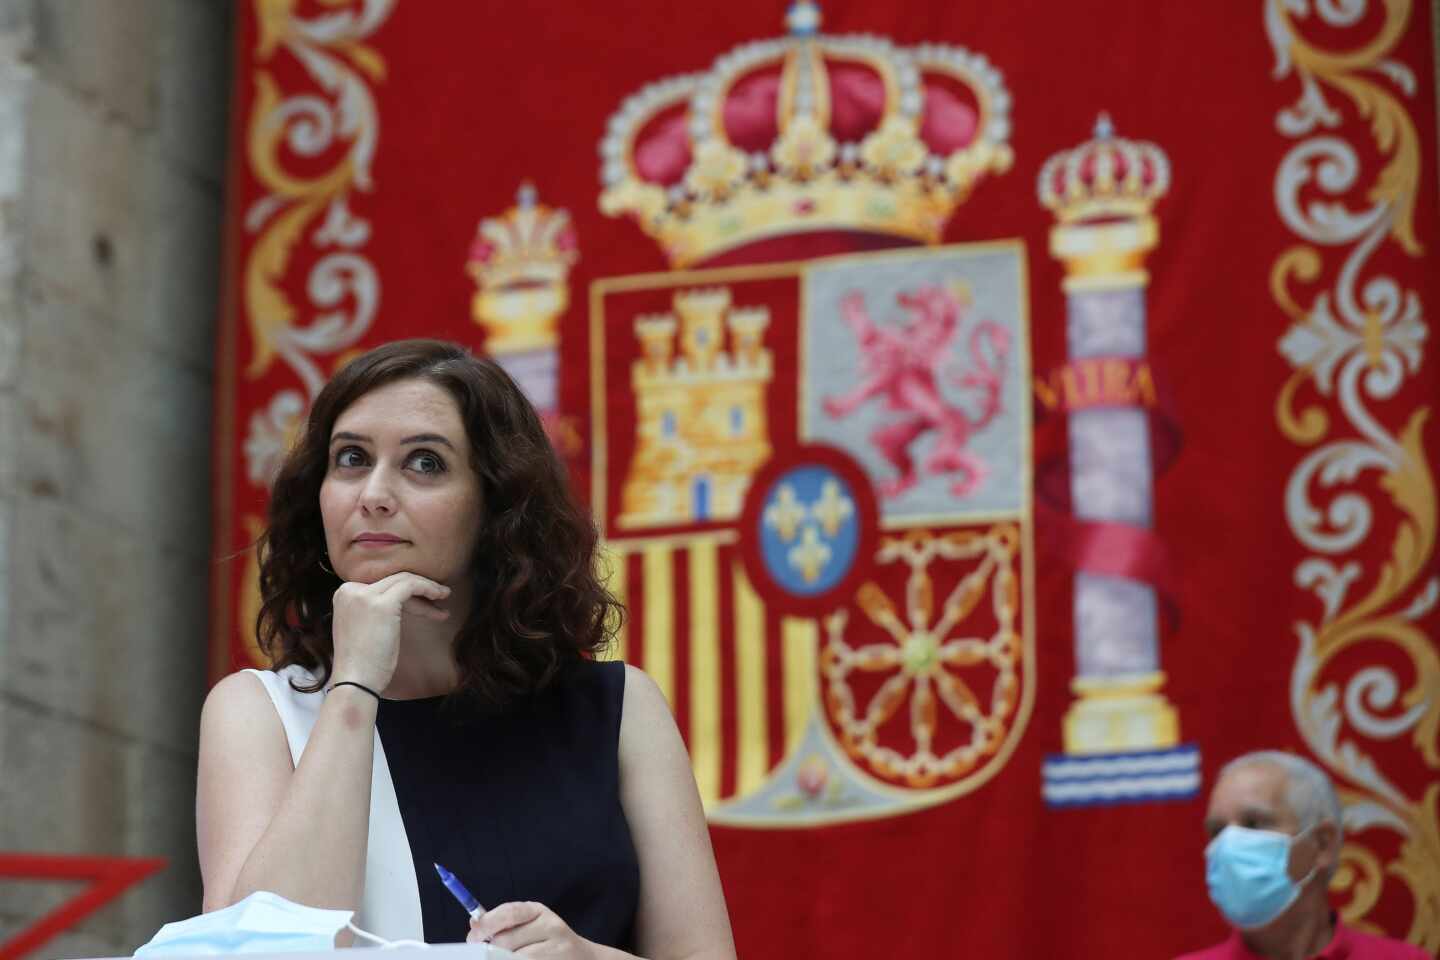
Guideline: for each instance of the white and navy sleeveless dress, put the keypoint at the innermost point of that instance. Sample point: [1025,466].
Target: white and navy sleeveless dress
[520,804]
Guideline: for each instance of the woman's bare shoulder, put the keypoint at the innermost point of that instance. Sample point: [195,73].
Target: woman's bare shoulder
[241,690]
[238,707]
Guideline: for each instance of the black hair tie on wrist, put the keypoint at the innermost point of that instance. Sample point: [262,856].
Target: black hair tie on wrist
[352,683]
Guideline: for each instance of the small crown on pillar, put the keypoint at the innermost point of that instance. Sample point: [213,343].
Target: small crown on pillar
[1105,178]
[529,242]
[520,262]
[807,133]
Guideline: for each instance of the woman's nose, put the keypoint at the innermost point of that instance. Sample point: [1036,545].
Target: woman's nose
[377,496]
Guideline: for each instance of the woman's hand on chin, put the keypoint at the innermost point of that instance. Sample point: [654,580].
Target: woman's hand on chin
[366,627]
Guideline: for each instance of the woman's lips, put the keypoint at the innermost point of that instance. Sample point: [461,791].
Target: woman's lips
[374,541]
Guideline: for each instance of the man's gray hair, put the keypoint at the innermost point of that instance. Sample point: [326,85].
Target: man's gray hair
[1308,790]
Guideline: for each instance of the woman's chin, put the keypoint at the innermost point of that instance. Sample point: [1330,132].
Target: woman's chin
[373,571]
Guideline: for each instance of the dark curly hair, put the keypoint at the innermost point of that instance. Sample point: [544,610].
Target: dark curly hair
[539,604]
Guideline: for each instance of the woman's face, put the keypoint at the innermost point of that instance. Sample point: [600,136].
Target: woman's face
[399,492]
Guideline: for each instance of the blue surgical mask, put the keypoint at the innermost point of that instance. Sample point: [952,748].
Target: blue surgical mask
[1248,873]
[261,923]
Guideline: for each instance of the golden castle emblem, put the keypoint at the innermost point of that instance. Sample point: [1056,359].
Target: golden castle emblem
[806,133]
[701,429]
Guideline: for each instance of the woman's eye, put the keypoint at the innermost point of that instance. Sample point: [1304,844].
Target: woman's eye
[426,462]
[350,457]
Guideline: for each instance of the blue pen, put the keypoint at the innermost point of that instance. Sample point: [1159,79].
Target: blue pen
[456,888]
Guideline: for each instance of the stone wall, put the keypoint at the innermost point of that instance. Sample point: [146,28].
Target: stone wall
[112,128]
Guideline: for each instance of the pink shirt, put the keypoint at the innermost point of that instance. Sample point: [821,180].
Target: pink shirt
[1347,944]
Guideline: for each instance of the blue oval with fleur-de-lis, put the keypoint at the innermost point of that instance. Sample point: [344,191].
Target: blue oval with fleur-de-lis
[809,530]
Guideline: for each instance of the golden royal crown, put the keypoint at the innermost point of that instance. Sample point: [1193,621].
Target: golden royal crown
[1105,178]
[806,133]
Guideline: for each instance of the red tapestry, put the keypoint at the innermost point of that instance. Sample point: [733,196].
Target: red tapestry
[998,415]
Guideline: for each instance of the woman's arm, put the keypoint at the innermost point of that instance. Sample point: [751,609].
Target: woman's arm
[302,830]
[263,824]
[682,906]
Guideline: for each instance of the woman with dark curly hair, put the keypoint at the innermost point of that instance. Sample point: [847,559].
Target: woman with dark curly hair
[430,602]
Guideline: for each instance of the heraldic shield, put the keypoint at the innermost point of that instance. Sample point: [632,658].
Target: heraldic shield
[814,484]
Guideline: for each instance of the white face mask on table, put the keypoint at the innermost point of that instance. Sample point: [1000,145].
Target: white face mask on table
[263,922]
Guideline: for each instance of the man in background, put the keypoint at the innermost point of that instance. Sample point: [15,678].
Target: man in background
[1274,823]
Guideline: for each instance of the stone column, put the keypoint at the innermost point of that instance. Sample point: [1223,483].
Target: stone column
[112,125]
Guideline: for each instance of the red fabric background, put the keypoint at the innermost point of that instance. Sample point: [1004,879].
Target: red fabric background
[478,96]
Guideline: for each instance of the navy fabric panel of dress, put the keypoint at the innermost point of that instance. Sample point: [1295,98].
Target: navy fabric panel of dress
[520,804]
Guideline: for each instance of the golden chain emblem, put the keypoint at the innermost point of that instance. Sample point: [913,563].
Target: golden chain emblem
[927,660]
